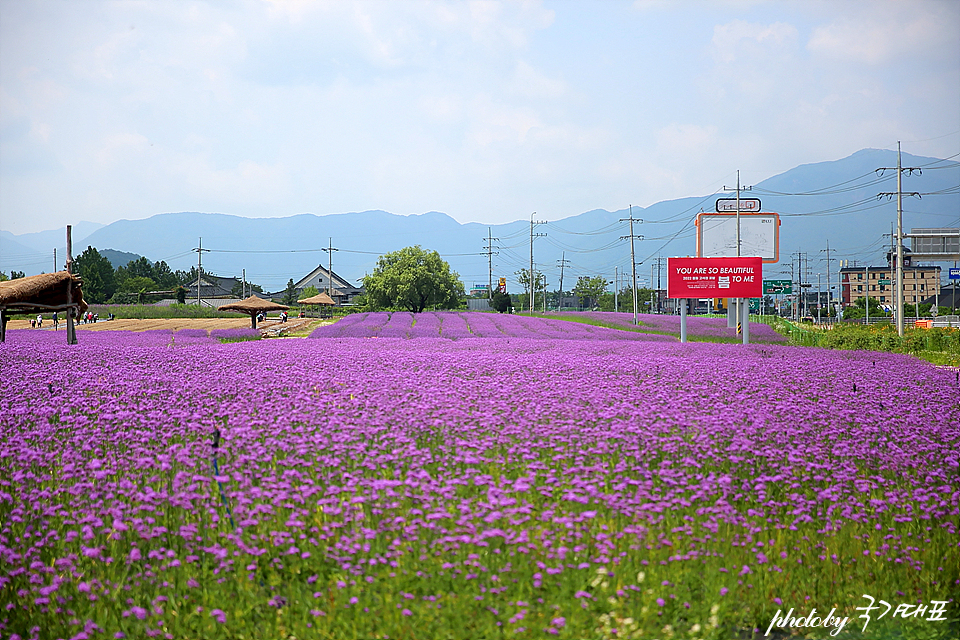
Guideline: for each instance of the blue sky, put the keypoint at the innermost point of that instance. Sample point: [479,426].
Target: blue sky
[483,110]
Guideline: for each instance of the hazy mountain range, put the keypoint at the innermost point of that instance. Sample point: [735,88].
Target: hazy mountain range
[836,201]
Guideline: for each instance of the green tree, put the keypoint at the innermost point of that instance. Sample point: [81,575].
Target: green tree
[309,292]
[589,290]
[290,293]
[413,279]
[163,275]
[523,278]
[16,275]
[624,302]
[141,268]
[137,284]
[500,302]
[238,291]
[181,292]
[99,283]
[185,278]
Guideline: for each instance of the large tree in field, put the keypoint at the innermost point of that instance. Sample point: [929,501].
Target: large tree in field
[413,279]
[589,290]
[97,273]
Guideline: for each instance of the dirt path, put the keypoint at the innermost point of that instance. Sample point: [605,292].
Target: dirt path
[173,324]
[268,327]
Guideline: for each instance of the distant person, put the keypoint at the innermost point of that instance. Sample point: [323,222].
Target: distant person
[56,321]
[39,321]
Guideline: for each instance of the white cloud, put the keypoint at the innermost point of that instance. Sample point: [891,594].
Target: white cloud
[739,39]
[120,147]
[532,83]
[482,110]
[885,31]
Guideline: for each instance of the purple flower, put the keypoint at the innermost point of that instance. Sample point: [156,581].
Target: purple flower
[220,616]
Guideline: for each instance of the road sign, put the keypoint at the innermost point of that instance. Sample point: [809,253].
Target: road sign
[887,282]
[935,244]
[715,277]
[726,205]
[503,285]
[955,274]
[777,286]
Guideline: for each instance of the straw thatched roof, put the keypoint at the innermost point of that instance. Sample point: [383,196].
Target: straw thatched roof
[321,298]
[48,291]
[253,305]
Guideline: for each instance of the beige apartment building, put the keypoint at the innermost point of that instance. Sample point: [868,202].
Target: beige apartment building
[919,283]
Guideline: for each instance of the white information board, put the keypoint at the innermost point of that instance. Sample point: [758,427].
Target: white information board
[759,235]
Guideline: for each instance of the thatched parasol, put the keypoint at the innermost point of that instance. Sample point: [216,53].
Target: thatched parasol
[253,305]
[320,298]
[58,291]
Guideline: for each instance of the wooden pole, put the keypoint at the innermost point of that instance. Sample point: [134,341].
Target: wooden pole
[71,329]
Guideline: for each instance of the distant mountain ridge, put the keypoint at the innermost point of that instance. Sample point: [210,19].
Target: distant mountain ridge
[118,258]
[834,200]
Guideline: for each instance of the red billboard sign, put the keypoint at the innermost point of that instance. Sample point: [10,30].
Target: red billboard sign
[715,277]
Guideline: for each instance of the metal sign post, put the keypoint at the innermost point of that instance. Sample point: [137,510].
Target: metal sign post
[730,277]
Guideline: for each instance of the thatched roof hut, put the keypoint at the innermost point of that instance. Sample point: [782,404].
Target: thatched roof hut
[58,291]
[253,306]
[321,298]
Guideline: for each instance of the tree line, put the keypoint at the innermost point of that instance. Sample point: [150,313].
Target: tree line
[138,281]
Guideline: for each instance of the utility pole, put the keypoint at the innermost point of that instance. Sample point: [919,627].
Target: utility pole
[490,253]
[633,260]
[199,251]
[55,269]
[533,280]
[562,262]
[900,193]
[659,261]
[243,287]
[616,289]
[866,275]
[739,188]
[330,251]
[829,295]
[819,296]
[800,297]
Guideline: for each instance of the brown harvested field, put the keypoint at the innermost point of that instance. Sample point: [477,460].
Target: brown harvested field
[172,324]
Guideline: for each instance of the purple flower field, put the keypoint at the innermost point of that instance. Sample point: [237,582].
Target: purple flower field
[462,325]
[707,327]
[525,478]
